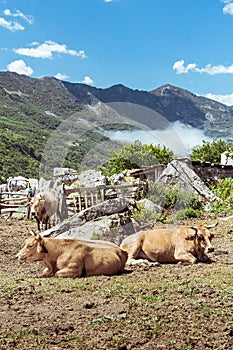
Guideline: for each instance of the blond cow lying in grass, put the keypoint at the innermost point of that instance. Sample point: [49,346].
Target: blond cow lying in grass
[73,258]
[186,244]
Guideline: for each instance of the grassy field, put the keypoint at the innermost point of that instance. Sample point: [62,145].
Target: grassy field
[167,307]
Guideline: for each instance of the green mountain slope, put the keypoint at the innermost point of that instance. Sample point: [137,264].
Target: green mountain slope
[47,122]
[30,111]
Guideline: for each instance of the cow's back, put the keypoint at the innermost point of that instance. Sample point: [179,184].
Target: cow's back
[159,245]
[51,203]
[104,260]
[154,245]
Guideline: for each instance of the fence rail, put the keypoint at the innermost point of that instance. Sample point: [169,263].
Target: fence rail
[80,198]
[77,199]
[13,202]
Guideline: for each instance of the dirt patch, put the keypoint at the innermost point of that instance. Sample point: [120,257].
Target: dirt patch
[167,307]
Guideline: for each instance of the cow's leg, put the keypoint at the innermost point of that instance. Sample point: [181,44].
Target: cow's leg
[38,223]
[185,257]
[47,272]
[70,271]
[132,255]
[134,251]
[46,222]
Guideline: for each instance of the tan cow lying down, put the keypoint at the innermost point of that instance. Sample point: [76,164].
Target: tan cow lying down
[184,244]
[73,258]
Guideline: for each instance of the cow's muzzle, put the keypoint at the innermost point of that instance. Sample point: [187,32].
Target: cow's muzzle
[210,249]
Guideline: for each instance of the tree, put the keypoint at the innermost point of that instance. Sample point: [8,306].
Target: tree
[136,155]
[211,151]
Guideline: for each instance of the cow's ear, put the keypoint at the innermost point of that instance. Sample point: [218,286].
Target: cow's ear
[40,244]
[39,238]
[191,234]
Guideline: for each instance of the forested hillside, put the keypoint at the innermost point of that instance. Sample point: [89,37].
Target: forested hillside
[31,110]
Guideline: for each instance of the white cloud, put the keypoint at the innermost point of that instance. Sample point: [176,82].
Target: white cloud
[87,80]
[225,99]
[108,0]
[12,26]
[47,50]
[28,18]
[178,137]
[61,76]
[228,8]
[20,67]
[180,68]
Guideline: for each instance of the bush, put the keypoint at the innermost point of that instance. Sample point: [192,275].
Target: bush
[136,155]
[183,214]
[173,203]
[173,198]
[211,151]
[224,190]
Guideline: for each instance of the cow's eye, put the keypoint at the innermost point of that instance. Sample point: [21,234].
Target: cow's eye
[212,236]
[30,246]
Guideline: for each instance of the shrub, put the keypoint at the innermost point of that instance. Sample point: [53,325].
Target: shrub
[211,151]
[224,190]
[136,155]
[173,198]
[187,213]
[173,202]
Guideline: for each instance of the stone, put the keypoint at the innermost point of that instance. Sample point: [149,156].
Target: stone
[179,174]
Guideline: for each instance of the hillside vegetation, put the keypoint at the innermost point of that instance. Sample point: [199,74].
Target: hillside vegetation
[27,121]
[33,110]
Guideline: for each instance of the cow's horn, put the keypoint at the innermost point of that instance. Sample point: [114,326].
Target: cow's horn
[213,225]
[33,233]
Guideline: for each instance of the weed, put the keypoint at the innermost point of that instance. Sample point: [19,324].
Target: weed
[107,318]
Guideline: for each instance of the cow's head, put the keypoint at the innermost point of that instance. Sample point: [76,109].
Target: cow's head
[33,249]
[205,236]
[202,238]
[37,204]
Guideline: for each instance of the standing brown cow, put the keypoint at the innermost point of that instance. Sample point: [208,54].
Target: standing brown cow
[43,206]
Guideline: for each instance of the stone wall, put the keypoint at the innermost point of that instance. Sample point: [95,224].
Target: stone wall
[213,172]
[205,170]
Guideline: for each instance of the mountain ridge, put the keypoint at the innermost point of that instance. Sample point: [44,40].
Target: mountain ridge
[32,108]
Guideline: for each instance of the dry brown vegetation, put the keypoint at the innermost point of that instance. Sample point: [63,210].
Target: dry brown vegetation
[166,307]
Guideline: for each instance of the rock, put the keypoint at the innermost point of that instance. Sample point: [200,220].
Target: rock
[64,175]
[178,173]
[92,178]
[109,220]
[116,179]
[149,205]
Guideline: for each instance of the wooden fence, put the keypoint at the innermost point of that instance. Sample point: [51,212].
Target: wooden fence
[77,199]
[80,198]
[14,202]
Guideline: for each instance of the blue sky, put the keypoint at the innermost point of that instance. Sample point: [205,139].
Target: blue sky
[142,44]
